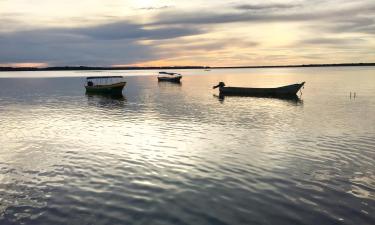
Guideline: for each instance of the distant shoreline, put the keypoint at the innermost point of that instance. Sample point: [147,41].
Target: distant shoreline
[78,68]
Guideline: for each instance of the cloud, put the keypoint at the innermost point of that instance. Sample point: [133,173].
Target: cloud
[265,6]
[124,30]
[231,17]
[56,49]
[222,32]
[156,8]
[364,25]
[335,42]
[286,13]
[113,43]
[208,45]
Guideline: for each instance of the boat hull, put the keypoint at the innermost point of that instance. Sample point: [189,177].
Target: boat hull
[170,79]
[285,91]
[106,89]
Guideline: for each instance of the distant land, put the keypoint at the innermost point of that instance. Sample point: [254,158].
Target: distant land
[63,68]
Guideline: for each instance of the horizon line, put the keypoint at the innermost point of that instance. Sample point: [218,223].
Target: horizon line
[11,68]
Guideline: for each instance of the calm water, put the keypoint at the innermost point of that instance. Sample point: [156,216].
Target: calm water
[176,154]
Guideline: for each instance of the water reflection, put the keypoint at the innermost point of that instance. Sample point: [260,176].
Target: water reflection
[166,153]
[106,100]
[291,99]
[169,84]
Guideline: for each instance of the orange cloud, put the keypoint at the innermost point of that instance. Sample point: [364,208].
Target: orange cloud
[26,64]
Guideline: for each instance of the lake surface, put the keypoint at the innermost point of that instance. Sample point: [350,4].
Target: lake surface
[177,154]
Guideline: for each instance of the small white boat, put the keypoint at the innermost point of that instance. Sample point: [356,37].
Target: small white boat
[105,85]
[171,77]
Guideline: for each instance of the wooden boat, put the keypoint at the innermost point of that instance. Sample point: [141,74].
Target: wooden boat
[105,85]
[284,91]
[170,77]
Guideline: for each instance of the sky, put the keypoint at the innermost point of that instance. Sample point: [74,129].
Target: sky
[185,32]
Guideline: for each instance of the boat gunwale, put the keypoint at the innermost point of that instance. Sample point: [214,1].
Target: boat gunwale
[118,84]
[271,88]
[103,77]
[171,74]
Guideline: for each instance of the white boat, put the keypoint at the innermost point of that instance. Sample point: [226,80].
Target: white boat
[107,85]
[171,77]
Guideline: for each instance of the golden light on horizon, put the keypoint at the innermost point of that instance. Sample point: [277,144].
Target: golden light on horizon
[39,65]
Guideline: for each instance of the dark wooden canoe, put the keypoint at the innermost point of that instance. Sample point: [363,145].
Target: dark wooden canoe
[284,91]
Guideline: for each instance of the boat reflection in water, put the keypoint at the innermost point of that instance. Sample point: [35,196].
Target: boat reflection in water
[169,84]
[292,99]
[114,100]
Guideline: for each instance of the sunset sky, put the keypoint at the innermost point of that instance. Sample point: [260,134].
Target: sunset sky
[185,32]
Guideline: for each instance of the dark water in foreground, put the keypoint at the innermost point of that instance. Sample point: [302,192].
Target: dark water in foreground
[176,154]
